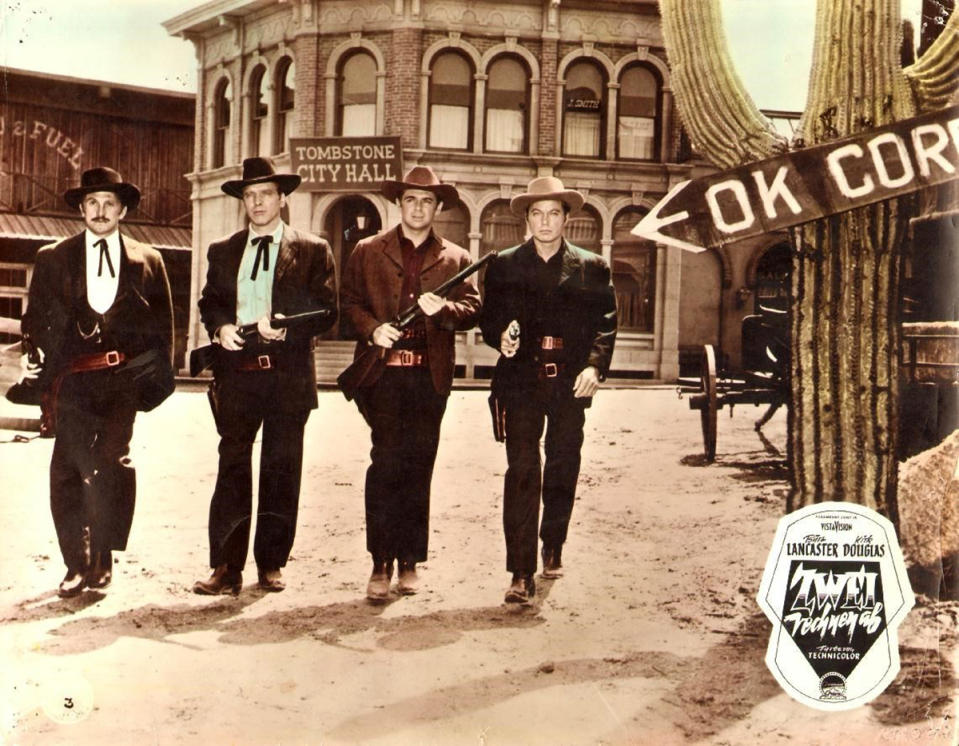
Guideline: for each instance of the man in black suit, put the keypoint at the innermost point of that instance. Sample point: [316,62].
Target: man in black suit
[99,303]
[550,309]
[268,269]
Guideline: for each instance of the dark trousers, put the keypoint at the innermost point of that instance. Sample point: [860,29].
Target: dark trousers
[553,404]
[404,413]
[243,404]
[92,479]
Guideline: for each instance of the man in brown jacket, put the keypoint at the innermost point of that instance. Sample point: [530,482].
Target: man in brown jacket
[404,406]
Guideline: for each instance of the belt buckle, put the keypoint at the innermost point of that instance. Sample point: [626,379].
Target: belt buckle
[112,358]
[406,358]
[550,370]
[549,343]
[264,362]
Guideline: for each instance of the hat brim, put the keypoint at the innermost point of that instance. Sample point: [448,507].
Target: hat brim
[286,183]
[569,197]
[129,195]
[445,193]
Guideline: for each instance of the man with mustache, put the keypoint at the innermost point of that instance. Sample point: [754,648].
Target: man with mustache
[99,306]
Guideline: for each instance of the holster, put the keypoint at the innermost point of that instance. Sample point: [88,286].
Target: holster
[497,409]
[211,397]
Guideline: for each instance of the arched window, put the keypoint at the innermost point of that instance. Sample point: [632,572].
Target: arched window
[638,113]
[451,97]
[584,110]
[356,96]
[634,273]
[283,129]
[453,225]
[584,229]
[507,106]
[499,228]
[221,123]
[259,110]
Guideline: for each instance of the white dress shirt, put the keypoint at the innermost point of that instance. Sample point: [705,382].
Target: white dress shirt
[102,283]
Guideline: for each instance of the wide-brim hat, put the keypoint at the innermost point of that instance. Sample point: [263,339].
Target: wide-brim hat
[546,187]
[103,179]
[257,171]
[422,177]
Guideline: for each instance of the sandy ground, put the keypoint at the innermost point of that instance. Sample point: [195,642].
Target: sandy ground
[652,636]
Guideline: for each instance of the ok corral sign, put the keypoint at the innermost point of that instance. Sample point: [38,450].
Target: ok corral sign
[807,184]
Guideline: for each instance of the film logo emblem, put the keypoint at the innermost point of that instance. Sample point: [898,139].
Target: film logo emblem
[835,589]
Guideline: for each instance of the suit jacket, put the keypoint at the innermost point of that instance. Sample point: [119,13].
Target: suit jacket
[370,296]
[304,280]
[140,319]
[588,321]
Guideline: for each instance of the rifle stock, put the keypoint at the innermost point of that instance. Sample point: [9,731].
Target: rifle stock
[367,366]
[203,357]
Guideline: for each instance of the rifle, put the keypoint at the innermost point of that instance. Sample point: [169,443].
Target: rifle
[366,367]
[202,357]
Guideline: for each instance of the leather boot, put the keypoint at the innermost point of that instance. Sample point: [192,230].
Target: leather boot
[101,573]
[378,589]
[552,562]
[408,583]
[225,579]
[522,589]
[72,584]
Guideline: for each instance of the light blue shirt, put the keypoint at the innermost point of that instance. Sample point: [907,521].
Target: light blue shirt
[254,298]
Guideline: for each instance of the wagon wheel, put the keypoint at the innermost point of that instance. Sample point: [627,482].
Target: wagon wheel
[710,406]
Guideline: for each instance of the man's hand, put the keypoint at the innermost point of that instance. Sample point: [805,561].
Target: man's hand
[430,303]
[385,335]
[509,339]
[30,371]
[586,383]
[268,333]
[229,337]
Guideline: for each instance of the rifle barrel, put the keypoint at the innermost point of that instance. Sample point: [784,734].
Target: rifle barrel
[414,311]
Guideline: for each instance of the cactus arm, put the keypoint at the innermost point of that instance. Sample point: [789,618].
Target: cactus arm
[935,76]
[723,123]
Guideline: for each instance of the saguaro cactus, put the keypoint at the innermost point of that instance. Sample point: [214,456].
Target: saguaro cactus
[845,283]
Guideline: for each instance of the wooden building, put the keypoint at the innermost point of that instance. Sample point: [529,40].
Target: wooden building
[52,128]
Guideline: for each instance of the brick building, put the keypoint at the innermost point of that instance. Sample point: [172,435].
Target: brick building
[489,94]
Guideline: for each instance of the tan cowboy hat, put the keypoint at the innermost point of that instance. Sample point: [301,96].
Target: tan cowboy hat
[546,187]
[103,179]
[422,177]
[256,171]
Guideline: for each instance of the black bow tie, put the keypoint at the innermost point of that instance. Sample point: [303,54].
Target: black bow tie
[262,249]
[104,254]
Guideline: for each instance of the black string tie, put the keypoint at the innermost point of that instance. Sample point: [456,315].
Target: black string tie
[104,254]
[262,249]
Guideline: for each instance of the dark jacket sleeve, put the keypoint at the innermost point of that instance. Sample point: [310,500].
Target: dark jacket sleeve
[358,319]
[217,306]
[157,287]
[498,302]
[315,291]
[45,319]
[462,302]
[602,316]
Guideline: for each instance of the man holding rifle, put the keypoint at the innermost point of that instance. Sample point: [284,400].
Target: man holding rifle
[404,400]
[263,273]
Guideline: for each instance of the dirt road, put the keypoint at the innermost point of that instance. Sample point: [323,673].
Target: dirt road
[653,635]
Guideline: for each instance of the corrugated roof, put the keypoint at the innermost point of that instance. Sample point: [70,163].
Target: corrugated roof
[14,225]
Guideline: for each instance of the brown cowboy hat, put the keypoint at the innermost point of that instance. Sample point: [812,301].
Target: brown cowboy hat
[256,171]
[103,179]
[422,177]
[546,187]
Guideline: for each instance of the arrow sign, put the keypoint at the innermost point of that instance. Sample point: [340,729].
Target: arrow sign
[808,184]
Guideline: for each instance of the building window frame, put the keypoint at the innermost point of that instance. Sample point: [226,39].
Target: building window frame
[523,107]
[221,118]
[633,262]
[577,107]
[340,118]
[469,97]
[284,103]
[622,117]
[259,97]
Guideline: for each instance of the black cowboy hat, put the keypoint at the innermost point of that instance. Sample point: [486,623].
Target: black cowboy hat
[103,179]
[256,171]
[422,177]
